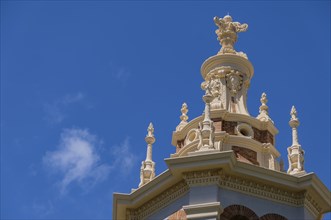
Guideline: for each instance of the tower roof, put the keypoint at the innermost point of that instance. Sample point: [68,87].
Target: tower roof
[225,148]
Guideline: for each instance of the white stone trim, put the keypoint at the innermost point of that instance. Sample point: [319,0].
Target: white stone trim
[265,191]
[312,205]
[158,202]
[202,178]
[261,190]
[203,211]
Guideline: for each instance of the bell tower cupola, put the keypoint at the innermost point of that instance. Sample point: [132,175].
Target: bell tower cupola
[227,75]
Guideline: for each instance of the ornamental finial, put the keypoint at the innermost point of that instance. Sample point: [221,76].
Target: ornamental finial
[150,134]
[183,117]
[184,111]
[264,99]
[294,123]
[264,114]
[147,170]
[293,113]
[206,131]
[295,152]
[227,32]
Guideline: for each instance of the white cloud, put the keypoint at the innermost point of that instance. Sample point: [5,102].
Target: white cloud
[77,159]
[72,98]
[124,158]
[55,111]
[122,74]
[42,208]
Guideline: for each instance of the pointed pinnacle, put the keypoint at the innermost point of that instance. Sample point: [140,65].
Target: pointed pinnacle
[150,130]
[293,113]
[150,139]
[294,122]
[264,99]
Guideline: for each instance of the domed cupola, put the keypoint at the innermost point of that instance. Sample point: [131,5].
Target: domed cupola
[226,123]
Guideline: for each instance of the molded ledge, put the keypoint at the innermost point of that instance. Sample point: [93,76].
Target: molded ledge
[203,211]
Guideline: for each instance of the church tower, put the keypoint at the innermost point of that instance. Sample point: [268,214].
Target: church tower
[226,165]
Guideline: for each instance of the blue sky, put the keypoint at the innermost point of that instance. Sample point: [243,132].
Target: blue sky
[81,80]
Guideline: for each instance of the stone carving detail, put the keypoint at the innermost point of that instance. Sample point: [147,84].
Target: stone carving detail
[295,152]
[235,183]
[214,84]
[158,202]
[228,87]
[206,130]
[261,190]
[312,205]
[227,33]
[203,177]
[264,114]
[192,135]
[183,117]
[234,81]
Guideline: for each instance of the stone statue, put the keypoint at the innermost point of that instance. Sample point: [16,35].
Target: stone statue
[227,32]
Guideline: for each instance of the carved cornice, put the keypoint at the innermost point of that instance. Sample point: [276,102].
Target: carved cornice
[204,177]
[264,191]
[225,181]
[158,202]
[312,205]
[235,183]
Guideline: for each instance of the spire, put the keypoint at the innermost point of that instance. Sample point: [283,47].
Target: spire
[264,114]
[294,123]
[147,170]
[295,152]
[183,117]
[227,33]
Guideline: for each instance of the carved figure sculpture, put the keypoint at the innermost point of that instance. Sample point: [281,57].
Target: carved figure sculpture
[227,32]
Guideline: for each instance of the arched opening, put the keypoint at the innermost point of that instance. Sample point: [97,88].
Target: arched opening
[239,217]
[272,216]
[238,212]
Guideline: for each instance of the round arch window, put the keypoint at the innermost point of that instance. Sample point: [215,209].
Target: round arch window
[244,129]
